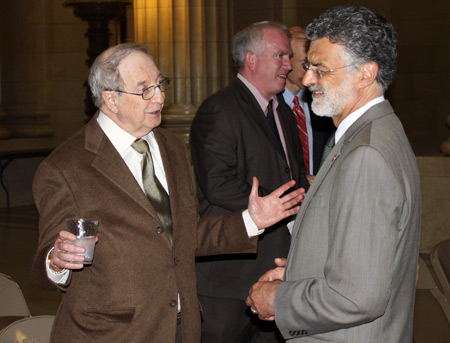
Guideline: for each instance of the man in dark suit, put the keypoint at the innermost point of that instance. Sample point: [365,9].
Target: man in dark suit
[242,131]
[141,286]
[318,129]
[351,271]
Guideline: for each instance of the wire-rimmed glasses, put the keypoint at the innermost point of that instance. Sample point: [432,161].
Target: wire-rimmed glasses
[149,92]
[320,73]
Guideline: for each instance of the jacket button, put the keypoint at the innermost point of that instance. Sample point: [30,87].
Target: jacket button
[175,261]
[173,303]
[159,230]
[286,169]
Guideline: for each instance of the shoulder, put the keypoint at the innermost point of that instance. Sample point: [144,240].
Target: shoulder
[235,93]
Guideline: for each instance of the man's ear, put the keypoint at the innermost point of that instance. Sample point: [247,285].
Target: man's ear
[250,60]
[110,100]
[369,72]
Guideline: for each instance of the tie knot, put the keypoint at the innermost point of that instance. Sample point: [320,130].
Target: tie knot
[269,106]
[140,145]
[296,100]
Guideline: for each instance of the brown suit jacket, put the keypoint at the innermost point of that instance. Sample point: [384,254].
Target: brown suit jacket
[129,293]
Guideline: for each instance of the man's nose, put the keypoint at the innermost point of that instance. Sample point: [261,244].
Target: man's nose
[287,63]
[159,96]
[309,78]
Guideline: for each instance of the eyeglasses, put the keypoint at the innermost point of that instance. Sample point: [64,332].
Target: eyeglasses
[320,73]
[149,92]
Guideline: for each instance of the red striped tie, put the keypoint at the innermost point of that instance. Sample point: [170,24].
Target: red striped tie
[303,132]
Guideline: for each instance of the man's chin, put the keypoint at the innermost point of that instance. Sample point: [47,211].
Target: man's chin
[321,112]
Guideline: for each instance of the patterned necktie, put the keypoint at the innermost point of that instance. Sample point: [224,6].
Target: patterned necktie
[271,120]
[302,130]
[153,189]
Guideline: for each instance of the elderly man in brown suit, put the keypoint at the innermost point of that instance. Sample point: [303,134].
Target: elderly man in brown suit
[141,286]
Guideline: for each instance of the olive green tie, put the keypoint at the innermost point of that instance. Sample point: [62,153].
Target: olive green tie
[153,189]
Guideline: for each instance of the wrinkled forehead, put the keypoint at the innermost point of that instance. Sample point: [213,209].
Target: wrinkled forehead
[323,52]
[137,68]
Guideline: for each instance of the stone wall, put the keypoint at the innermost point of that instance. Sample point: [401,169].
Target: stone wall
[435,187]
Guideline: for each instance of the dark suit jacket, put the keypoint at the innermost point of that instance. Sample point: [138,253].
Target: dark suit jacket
[129,293]
[322,127]
[231,142]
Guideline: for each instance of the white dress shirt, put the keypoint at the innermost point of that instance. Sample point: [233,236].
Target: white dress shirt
[354,116]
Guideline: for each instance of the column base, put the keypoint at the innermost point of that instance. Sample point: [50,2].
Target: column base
[178,119]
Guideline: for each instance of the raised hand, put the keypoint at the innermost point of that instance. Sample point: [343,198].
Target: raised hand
[269,210]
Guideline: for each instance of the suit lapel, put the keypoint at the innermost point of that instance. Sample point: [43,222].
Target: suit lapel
[373,113]
[111,165]
[254,111]
[178,175]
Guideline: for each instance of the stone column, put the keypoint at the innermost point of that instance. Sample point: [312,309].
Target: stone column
[189,40]
[98,14]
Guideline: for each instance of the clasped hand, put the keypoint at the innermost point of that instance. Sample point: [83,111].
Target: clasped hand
[261,297]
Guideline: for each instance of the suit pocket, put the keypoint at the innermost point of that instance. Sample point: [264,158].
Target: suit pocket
[117,315]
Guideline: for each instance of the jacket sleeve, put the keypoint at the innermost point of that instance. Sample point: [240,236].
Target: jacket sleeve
[54,202]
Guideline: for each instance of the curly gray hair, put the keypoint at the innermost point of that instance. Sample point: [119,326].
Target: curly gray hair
[366,36]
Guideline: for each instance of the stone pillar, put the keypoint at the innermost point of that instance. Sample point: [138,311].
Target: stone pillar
[98,14]
[189,40]
[23,112]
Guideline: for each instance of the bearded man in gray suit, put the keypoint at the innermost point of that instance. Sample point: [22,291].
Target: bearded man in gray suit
[351,269]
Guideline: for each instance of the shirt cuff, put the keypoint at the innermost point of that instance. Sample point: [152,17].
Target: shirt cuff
[59,278]
[252,229]
[290,226]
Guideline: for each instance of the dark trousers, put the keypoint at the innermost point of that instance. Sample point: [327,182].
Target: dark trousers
[230,321]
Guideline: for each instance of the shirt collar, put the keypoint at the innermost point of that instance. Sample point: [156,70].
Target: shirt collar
[289,97]
[257,94]
[354,116]
[120,139]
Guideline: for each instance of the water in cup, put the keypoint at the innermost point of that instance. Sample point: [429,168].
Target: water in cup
[86,232]
[88,243]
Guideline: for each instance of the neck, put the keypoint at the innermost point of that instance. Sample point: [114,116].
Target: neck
[360,101]
[293,88]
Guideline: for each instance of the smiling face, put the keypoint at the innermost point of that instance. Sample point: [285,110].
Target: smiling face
[336,93]
[133,114]
[267,67]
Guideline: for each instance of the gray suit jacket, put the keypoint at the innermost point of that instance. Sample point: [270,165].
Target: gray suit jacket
[352,264]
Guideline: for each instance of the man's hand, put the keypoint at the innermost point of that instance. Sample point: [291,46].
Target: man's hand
[261,299]
[65,252]
[269,210]
[276,273]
